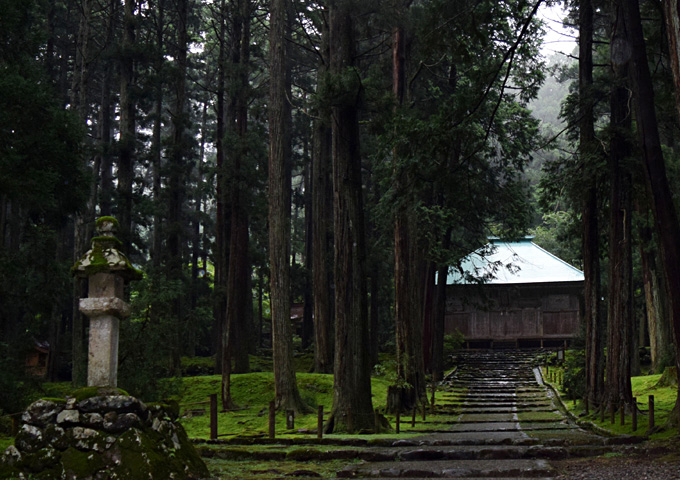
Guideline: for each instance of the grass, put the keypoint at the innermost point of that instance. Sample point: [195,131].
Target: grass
[5,442]
[642,386]
[252,393]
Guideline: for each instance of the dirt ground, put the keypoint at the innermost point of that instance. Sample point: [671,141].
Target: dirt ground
[642,465]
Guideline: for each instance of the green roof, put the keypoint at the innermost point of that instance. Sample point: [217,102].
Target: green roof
[503,262]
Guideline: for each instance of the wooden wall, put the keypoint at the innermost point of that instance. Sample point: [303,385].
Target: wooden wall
[514,312]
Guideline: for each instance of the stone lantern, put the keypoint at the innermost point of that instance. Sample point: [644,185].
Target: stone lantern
[107,270]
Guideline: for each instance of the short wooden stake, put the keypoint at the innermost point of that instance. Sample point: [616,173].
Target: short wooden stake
[376,420]
[424,411]
[290,419]
[15,425]
[272,419]
[319,424]
[213,416]
[397,421]
[434,390]
[413,418]
[623,413]
[634,413]
[651,412]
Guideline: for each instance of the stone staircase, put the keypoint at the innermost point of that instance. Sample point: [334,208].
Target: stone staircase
[504,425]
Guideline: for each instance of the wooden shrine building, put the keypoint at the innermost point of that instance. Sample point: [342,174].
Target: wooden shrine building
[514,294]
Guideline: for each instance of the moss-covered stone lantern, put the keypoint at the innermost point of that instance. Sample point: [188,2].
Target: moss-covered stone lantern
[107,269]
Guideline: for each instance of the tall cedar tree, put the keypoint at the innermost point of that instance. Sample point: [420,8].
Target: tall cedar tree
[665,215]
[352,408]
[287,394]
[594,322]
[408,281]
[322,239]
[620,324]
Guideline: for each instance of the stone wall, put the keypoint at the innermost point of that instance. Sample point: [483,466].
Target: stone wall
[99,435]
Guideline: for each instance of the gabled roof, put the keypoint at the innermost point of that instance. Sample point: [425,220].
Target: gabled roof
[502,262]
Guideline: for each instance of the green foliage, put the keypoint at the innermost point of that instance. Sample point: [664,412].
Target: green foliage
[559,233]
[575,374]
[194,366]
[452,342]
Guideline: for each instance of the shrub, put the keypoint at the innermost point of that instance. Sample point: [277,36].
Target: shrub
[575,374]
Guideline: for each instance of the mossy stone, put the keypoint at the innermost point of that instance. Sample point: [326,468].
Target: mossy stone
[43,459]
[89,392]
[77,464]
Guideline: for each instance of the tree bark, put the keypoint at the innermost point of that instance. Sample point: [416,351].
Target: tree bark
[671,10]
[408,266]
[594,321]
[221,231]
[439,315]
[178,164]
[322,237]
[127,127]
[665,215]
[662,350]
[620,321]
[352,408]
[287,394]
[239,299]
[156,144]
[79,86]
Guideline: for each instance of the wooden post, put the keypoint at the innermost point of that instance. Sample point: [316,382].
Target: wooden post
[376,420]
[612,413]
[413,418]
[272,419]
[424,412]
[213,416]
[397,420]
[651,412]
[623,413]
[434,390]
[290,419]
[319,425]
[15,425]
[634,412]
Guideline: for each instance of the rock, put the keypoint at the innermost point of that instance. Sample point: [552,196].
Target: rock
[114,403]
[92,420]
[56,437]
[123,422]
[102,438]
[11,457]
[68,417]
[29,439]
[42,413]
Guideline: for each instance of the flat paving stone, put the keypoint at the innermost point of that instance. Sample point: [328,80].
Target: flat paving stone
[451,469]
[503,426]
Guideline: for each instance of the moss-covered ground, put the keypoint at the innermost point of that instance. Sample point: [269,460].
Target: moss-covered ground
[643,387]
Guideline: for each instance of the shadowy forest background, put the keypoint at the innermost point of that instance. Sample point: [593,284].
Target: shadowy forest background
[338,155]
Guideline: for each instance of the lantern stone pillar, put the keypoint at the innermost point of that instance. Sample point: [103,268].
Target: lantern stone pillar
[107,270]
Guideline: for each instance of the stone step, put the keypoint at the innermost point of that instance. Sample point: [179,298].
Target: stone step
[450,469]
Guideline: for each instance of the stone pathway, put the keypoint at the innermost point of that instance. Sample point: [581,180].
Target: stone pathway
[505,426]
